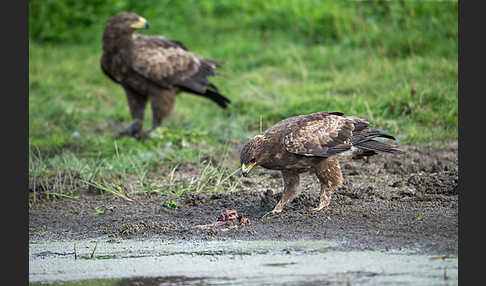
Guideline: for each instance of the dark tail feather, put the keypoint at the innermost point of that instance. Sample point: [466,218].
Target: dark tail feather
[373,145]
[379,133]
[197,88]
[217,97]
[369,134]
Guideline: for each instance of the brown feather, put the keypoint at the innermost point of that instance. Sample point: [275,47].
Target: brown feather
[153,66]
[374,145]
[309,143]
[320,134]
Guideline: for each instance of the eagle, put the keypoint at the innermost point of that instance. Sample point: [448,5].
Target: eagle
[153,68]
[316,143]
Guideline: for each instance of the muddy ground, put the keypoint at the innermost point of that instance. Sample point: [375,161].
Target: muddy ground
[407,201]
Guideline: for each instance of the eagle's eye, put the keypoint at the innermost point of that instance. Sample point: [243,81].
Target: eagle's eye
[252,160]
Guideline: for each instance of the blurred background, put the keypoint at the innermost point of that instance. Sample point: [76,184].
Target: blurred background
[394,63]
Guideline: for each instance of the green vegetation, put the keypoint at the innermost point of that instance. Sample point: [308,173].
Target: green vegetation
[283,58]
[419,217]
[173,205]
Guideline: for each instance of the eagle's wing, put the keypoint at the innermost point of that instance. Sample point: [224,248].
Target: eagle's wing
[320,134]
[172,42]
[168,64]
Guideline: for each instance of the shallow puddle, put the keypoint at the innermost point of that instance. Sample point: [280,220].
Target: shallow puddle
[229,262]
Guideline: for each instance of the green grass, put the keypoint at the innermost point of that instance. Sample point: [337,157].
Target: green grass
[282,59]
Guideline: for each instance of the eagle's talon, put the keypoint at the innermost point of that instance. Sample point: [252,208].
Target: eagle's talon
[320,207]
[132,130]
[271,213]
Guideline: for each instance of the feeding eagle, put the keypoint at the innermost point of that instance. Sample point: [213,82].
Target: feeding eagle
[313,142]
[153,68]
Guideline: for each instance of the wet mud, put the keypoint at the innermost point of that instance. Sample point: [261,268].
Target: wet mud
[406,201]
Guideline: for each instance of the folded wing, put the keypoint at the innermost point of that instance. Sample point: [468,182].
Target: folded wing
[168,64]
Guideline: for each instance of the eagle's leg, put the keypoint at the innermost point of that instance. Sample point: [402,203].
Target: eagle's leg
[291,183]
[162,106]
[137,104]
[329,174]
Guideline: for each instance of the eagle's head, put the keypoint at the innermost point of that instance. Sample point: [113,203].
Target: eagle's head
[251,154]
[125,22]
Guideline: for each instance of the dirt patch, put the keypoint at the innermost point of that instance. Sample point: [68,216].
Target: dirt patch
[388,202]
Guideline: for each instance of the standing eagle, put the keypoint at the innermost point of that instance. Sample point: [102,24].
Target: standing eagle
[153,68]
[313,143]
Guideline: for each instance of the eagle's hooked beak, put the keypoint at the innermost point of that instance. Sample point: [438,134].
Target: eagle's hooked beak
[245,170]
[142,23]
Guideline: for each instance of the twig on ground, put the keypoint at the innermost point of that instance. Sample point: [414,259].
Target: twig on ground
[94,249]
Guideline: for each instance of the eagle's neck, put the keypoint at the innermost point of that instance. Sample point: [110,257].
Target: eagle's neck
[265,147]
[115,42]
